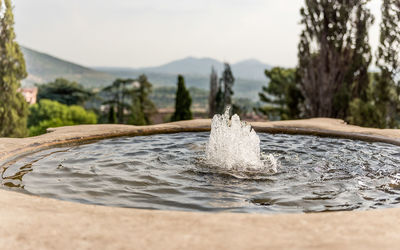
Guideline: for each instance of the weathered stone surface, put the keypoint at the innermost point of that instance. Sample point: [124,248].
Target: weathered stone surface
[30,222]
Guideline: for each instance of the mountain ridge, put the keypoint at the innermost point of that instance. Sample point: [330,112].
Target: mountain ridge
[251,68]
[43,68]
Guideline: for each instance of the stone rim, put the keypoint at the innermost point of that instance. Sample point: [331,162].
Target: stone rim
[28,220]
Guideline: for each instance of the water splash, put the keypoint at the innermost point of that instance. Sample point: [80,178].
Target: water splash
[234,145]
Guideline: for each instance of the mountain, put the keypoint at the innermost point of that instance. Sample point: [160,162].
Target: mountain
[248,69]
[44,68]
[187,66]
[249,74]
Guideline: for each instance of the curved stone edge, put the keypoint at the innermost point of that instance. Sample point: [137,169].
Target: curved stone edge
[30,222]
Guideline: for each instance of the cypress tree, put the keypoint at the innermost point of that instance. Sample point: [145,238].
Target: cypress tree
[219,101]
[388,61]
[334,55]
[183,101]
[146,106]
[212,103]
[227,80]
[112,116]
[13,107]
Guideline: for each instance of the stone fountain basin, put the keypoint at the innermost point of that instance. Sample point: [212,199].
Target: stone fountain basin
[31,222]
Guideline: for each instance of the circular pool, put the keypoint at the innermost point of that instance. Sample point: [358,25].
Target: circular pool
[168,171]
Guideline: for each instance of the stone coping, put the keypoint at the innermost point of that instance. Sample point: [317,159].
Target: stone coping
[31,222]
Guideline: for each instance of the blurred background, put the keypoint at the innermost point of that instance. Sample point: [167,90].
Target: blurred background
[151,61]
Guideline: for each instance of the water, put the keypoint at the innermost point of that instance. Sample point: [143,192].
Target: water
[170,172]
[234,145]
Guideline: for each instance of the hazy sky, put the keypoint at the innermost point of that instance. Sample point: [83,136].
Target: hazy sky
[137,33]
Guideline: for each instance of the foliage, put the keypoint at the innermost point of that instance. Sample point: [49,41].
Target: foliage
[131,98]
[164,97]
[382,105]
[389,48]
[137,116]
[48,113]
[64,91]
[214,87]
[118,94]
[142,107]
[375,111]
[219,101]
[334,55]
[112,116]
[227,80]
[183,101]
[282,95]
[13,107]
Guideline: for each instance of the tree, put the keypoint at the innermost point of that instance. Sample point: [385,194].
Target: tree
[388,60]
[227,80]
[282,95]
[64,91]
[13,107]
[380,108]
[373,112]
[219,101]
[48,113]
[112,116]
[117,93]
[214,87]
[142,107]
[137,116]
[334,55]
[183,101]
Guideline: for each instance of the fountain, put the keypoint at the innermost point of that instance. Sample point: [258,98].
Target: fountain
[367,171]
[234,145]
[229,169]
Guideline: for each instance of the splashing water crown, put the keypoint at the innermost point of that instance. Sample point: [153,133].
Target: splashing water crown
[234,145]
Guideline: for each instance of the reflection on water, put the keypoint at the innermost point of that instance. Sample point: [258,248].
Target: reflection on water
[168,172]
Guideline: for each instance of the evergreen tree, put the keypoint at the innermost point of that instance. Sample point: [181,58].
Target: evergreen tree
[282,95]
[183,101]
[13,107]
[137,116]
[112,116]
[219,101]
[64,91]
[214,87]
[118,92]
[142,107]
[373,112]
[334,55]
[227,80]
[388,61]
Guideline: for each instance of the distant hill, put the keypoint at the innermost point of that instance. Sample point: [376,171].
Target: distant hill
[44,68]
[187,66]
[249,74]
[248,69]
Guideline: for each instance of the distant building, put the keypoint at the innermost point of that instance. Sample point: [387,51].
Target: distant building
[30,94]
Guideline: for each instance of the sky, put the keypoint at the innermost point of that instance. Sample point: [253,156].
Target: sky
[141,33]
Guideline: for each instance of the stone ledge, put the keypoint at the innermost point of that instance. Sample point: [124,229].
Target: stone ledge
[30,222]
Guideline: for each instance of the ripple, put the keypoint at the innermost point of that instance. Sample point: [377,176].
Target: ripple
[167,172]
